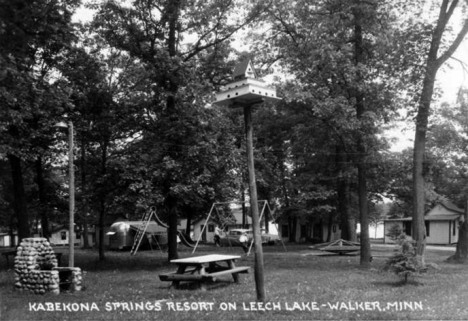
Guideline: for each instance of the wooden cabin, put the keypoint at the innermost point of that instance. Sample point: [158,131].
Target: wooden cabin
[442,224]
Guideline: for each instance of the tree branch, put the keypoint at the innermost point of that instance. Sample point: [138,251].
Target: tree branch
[287,30]
[453,47]
[198,47]
[462,63]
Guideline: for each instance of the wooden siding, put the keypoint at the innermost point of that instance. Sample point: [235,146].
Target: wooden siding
[438,232]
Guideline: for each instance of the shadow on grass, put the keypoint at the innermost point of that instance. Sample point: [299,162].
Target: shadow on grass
[146,260]
[114,260]
[324,254]
[195,286]
[398,283]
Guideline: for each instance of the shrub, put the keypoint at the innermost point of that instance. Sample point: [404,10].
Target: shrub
[406,262]
[394,232]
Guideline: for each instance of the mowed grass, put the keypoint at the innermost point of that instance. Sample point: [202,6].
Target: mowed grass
[300,284]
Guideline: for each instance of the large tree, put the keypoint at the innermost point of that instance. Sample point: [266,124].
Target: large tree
[439,51]
[447,161]
[105,116]
[338,58]
[170,38]
[33,34]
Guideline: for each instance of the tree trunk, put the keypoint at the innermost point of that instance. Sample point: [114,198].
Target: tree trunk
[433,64]
[11,231]
[461,253]
[102,255]
[284,189]
[419,198]
[348,222]
[102,202]
[293,229]
[364,216]
[43,206]
[173,16]
[20,198]
[362,150]
[172,229]
[329,230]
[85,235]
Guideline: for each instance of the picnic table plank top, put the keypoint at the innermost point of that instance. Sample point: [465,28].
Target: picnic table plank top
[206,258]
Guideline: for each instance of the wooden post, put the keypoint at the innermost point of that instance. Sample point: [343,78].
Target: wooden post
[71,230]
[259,280]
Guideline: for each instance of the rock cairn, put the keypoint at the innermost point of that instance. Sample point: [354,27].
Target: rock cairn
[37,271]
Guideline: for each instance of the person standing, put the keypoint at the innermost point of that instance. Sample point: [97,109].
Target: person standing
[244,241]
[217,237]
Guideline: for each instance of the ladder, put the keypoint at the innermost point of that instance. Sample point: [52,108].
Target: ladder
[141,232]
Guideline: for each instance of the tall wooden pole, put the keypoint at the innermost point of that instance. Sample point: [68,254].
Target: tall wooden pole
[71,230]
[259,280]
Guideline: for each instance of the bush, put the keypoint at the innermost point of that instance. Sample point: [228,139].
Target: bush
[394,232]
[406,262]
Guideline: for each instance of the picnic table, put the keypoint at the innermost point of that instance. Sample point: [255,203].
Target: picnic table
[7,255]
[203,269]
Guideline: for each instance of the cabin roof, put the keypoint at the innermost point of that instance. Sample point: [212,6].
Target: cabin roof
[450,217]
[451,207]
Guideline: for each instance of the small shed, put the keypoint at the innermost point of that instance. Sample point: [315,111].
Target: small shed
[6,241]
[442,224]
[60,236]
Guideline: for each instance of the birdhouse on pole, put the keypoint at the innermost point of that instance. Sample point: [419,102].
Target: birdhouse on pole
[246,88]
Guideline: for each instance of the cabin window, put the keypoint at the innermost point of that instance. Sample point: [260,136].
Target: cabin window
[63,235]
[284,230]
[454,228]
[211,228]
[427,228]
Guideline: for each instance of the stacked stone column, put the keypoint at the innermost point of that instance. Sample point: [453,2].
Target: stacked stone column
[37,271]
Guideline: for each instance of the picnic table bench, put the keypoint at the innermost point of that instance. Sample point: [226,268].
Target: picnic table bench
[202,269]
[7,255]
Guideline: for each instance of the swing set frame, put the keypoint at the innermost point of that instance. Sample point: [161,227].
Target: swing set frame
[214,207]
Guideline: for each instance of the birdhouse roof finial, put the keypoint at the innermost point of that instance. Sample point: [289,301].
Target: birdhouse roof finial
[244,70]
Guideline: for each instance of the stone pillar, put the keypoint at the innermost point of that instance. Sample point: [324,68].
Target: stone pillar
[37,271]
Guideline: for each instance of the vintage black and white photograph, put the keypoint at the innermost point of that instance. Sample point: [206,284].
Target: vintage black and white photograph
[233,160]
